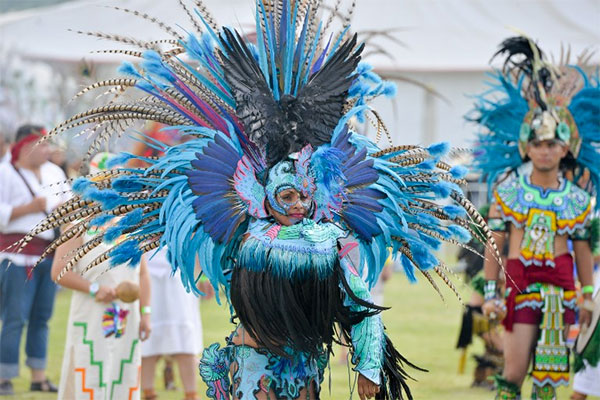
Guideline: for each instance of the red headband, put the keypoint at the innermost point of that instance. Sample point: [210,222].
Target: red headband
[15,151]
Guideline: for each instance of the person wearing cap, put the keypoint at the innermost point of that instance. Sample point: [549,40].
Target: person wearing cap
[30,188]
[547,115]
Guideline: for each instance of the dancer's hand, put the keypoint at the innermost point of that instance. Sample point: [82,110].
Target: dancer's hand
[494,309]
[105,294]
[145,327]
[366,388]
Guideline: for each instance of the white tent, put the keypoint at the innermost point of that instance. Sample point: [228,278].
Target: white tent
[447,44]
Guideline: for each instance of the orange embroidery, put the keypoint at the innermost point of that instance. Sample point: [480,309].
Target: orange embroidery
[137,386]
[83,388]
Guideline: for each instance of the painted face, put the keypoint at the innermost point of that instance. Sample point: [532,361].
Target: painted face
[297,207]
[288,198]
[545,155]
[296,204]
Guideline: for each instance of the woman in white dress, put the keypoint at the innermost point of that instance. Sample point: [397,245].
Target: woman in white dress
[176,325]
[587,381]
[102,358]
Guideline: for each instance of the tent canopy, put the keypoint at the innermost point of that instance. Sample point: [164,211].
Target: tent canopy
[436,35]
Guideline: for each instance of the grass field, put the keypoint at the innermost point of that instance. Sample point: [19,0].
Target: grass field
[423,328]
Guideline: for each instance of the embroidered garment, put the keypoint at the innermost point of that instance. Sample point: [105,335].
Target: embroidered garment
[542,214]
[95,365]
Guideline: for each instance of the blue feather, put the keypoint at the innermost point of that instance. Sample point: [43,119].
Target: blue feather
[454,211]
[498,152]
[101,220]
[428,165]
[439,149]
[107,197]
[409,268]
[460,233]
[80,185]
[443,189]
[390,89]
[112,234]
[127,184]
[127,68]
[126,253]
[120,159]
[459,171]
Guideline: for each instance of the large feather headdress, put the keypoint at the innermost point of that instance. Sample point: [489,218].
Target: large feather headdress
[250,105]
[531,98]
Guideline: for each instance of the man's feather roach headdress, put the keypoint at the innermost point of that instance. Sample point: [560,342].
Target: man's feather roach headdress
[532,99]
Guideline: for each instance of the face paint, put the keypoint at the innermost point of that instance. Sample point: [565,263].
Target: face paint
[296,204]
[285,190]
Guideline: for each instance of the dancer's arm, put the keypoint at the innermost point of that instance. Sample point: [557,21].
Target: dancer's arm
[491,268]
[145,326]
[368,338]
[585,271]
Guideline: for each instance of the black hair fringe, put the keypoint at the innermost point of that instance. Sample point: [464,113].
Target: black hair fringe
[300,314]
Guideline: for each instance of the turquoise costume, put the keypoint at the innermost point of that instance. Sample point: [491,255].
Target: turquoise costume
[265,117]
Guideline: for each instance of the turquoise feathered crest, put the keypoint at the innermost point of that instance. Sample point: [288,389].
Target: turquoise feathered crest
[246,104]
[533,99]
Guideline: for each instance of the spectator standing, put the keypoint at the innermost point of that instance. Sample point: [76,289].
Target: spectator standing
[177,328]
[26,294]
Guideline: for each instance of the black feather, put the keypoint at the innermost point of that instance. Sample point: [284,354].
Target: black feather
[393,376]
[282,127]
[520,58]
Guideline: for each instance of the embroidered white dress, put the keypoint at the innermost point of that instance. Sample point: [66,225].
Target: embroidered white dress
[176,325]
[94,366]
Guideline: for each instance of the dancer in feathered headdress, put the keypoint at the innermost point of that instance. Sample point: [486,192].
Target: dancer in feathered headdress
[273,178]
[548,115]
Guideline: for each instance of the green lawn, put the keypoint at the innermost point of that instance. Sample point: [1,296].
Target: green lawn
[423,328]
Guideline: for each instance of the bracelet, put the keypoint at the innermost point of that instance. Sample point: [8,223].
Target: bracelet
[94,287]
[146,310]
[496,224]
[587,289]
[588,305]
[489,290]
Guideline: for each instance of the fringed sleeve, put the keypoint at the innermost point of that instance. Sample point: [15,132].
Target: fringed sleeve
[367,336]
[374,355]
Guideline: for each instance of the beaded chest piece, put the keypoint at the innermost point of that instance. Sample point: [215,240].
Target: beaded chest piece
[542,213]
